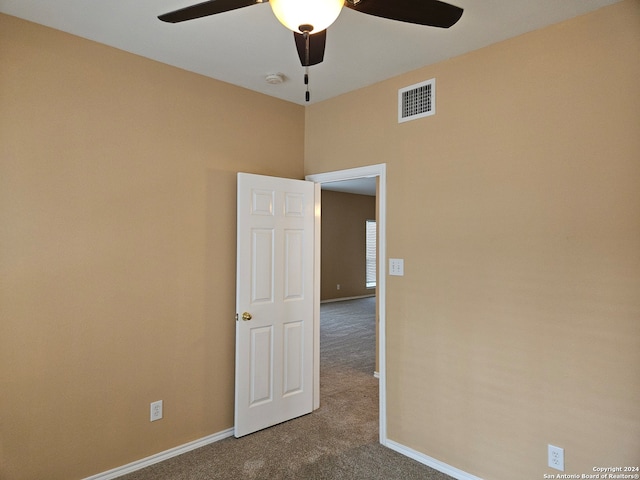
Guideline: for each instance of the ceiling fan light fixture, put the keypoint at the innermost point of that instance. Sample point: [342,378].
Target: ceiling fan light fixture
[318,14]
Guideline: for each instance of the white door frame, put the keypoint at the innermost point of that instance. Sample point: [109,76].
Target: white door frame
[380,171]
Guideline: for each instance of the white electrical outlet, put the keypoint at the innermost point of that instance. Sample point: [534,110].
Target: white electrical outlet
[338,286]
[156,410]
[556,457]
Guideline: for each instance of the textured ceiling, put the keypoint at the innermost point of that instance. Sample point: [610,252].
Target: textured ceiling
[243,46]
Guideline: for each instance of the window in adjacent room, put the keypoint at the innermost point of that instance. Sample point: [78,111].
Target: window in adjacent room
[371,253]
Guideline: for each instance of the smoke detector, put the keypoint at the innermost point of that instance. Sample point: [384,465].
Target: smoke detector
[274,78]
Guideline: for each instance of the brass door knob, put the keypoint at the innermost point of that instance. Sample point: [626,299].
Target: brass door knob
[246,316]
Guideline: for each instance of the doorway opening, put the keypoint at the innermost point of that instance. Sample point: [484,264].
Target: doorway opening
[354,179]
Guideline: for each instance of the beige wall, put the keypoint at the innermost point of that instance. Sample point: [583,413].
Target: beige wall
[517,211]
[117,249]
[343,244]
[516,208]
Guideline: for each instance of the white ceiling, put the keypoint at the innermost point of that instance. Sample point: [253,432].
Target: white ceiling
[243,46]
[360,186]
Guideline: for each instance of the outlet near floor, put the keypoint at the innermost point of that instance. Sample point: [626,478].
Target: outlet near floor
[156,410]
[556,457]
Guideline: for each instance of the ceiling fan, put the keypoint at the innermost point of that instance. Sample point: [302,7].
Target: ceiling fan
[309,19]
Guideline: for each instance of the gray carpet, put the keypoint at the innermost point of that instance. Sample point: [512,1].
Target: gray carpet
[337,441]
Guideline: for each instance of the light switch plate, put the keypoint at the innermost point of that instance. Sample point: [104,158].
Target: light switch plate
[396,267]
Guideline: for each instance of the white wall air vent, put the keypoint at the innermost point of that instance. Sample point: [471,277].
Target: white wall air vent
[417,101]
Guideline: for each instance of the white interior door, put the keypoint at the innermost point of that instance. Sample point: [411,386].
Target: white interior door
[274,301]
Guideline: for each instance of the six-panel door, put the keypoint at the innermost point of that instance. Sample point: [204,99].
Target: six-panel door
[274,348]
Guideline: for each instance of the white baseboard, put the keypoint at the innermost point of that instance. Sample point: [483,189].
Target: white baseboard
[162,456]
[430,462]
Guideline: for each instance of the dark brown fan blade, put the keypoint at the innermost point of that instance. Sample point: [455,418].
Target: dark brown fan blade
[205,9]
[432,13]
[317,43]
